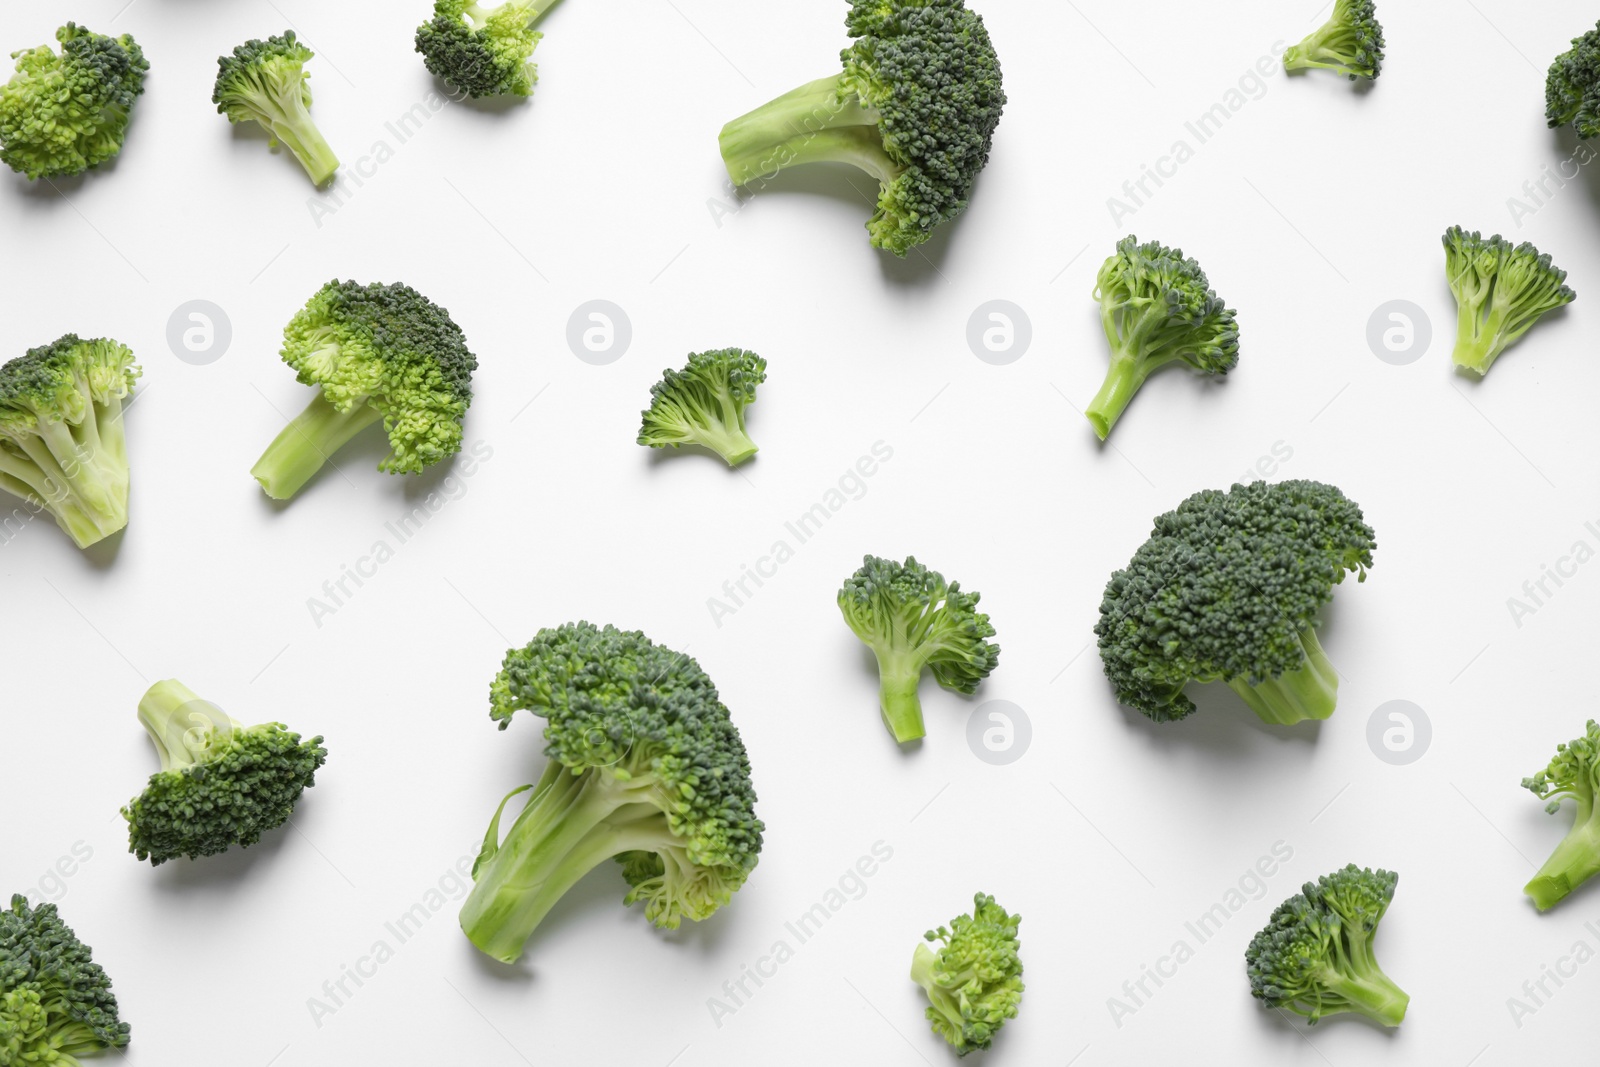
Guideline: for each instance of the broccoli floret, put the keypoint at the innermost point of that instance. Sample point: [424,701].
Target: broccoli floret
[483,50]
[1315,955]
[376,352]
[1501,290]
[62,114]
[974,980]
[1156,308]
[703,404]
[916,107]
[221,783]
[55,1001]
[61,442]
[1574,774]
[1227,588]
[1572,87]
[266,81]
[645,767]
[1350,42]
[912,618]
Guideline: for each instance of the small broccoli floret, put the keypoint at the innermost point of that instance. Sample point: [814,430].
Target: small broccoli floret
[61,442]
[703,404]
[55,1001]
[1501,290]
[974,980]
[1350,42]
[645,767]
[1156,308]
[1573,775]
[266,81]
[1572,87]
[483,50]
[911,619]
[1315,956]
[62,114]
[376,352]
[1228,588]
[916,107]
[221,783]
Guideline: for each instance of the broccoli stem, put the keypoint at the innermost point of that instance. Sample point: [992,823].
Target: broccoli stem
[1123,379]
[172,713]
[728,440]
[1332,47]
[78,472]
[1575,861]
[898,678]
[293,126]
[942,1000]
[1369,992]
[1478,336]
[306,443]
[1309,692]
[820,122]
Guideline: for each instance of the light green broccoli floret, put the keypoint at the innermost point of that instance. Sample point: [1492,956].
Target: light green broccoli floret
[703,404]
[266,82]
[483,50]
[1350,42]
[974,979]
[1574,774]
[1501,290]
[63,114]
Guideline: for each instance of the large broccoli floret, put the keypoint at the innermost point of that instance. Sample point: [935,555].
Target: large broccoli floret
[61,442]
[62,114]
[916,107]
[376,352]
[1315,956]
[912,618]
[1501,290]
[483,50]
[1156,308]
[221,783]
[974,980]
[1572,87]
[1573,775]
[266,81]
[55,1001]
[1350,42]
[1228,588]
[645,767]
[703,404]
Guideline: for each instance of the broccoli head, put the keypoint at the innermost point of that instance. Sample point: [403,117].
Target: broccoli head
[483,51]
[1572,87]
[1350,42]
[1315,955]
[1228,588]
[61,442]
[63,114]
[645,767]
[703,404]
[1573,775]
[974,980]
[1156,308]
[916,107]
[55,1001]
[221,783]
[376,352]
[912,618]
[266,81]
[1501,290]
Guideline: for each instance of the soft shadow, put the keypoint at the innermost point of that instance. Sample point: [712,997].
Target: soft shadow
[102,555]
[1221,725]
[224,872]
[670,454]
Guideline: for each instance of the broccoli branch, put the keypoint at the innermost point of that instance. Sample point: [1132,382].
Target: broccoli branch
[1310,692]
[297,453]
[820,122]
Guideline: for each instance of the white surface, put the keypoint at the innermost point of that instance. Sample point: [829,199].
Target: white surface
[1314,205]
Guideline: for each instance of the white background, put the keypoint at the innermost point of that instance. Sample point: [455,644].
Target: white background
[1314,205]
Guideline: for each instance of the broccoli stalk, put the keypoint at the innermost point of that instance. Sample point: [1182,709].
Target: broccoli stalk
[1350,42]
[1501,290]
[974,980]
[305,445]
[56,1003]
[483,50]
[704,404]
[266,82]
[1573,774]
[1308,692]
[61,115]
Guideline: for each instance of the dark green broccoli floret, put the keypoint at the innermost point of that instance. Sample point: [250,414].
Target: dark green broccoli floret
[376,352]
[1228,588]
[221,783]
[266,81]
[55,1001]
[61,442]
[1315,956]
[1572,87]
[1156,308]
[703,404]
[1350,42]
[62,114]
[974,980]
[916,107]
[912,618]
[483,50]
[1573,775]
[1501,290]
[645,767]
